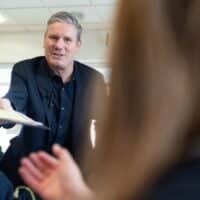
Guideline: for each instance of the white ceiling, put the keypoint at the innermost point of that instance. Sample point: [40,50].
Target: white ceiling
[30,15]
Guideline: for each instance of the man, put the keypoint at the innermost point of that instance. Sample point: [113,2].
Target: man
[54,89]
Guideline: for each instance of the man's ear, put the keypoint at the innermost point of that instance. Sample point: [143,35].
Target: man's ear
[44,37]
[79,44]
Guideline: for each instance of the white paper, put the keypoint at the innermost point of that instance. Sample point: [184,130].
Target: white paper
[19,118]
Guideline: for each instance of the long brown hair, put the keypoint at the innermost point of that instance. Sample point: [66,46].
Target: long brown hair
[152,95]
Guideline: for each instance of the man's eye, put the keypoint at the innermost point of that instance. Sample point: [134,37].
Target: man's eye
[53,37]
[67,40]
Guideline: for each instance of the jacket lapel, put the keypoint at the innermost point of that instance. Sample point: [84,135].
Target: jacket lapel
[81,105]
[45,88]
[77,101]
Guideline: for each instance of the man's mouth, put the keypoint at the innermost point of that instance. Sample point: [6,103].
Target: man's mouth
[57,55]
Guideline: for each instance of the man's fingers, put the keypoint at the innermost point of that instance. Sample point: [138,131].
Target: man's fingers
[61,152]
[5,104]
[46,161]
[29,179]
[32,169]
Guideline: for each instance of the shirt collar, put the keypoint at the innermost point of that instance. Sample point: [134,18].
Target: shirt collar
[52,74]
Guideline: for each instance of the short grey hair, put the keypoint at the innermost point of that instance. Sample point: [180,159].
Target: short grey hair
[66,17]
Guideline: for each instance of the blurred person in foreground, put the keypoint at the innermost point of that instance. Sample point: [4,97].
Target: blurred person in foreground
[148,146]
[54,89]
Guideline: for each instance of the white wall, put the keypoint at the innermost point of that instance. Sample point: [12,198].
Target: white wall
[21,45]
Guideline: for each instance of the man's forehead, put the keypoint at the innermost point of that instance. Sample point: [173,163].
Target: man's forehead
[61,27]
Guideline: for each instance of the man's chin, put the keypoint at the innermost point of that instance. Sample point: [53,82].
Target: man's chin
[58,65]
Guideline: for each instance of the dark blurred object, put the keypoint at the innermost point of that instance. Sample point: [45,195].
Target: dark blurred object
[1,152]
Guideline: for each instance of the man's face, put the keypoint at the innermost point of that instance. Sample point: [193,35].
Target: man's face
[61,45]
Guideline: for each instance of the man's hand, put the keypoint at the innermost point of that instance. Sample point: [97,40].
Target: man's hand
[54,177]
[5,105]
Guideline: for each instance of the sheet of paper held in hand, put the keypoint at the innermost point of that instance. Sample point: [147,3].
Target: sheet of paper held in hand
[19,118]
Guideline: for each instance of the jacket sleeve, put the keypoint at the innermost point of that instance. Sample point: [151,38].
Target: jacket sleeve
[17,92]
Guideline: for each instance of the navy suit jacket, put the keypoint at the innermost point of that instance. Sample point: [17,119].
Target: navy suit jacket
[29,93]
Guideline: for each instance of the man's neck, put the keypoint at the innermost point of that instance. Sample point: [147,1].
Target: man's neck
[65,73]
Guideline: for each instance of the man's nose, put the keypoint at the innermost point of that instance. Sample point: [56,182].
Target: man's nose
[59,43]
